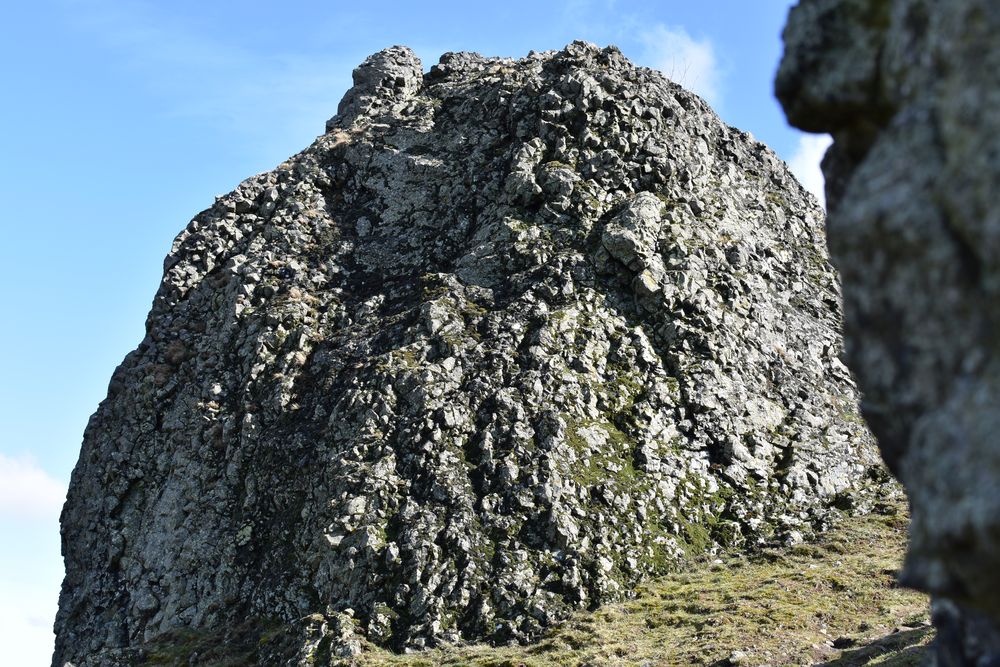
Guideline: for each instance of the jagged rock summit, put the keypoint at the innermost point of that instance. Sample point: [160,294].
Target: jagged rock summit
[511,336]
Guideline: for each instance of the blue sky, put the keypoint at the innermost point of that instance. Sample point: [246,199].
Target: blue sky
[122,119]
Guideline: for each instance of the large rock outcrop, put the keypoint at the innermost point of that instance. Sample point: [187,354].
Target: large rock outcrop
[509,337]
[910,90]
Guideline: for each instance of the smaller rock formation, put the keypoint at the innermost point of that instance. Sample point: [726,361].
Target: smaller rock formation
[910,91]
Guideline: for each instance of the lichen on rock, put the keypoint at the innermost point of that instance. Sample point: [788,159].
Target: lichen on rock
[510,337]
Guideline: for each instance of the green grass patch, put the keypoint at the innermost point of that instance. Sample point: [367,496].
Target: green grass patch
[781,607]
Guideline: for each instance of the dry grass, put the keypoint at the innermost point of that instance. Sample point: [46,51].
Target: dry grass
[788,607]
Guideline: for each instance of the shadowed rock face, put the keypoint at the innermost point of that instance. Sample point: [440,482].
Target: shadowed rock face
[910,90]
[509,337]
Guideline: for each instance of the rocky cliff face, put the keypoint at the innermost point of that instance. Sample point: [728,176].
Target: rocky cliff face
[910,90]
[509,337]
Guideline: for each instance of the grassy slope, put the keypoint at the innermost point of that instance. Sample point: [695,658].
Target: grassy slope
[787,607]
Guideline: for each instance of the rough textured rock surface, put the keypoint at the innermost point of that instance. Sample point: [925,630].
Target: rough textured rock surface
[910,90]
[509,337]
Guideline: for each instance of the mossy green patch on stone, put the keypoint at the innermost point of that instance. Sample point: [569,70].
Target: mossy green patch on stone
[222,646]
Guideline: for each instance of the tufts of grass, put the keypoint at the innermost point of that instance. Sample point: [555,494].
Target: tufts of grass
[834,602]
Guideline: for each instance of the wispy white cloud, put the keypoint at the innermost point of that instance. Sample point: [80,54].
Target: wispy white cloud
[218,81]
[30,565]
[27,491]
[602,22]
[805,163]
[27,636]
[690,62]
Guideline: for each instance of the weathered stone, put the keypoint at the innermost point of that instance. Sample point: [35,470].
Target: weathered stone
[909,89]
[502,343]
[384,79]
